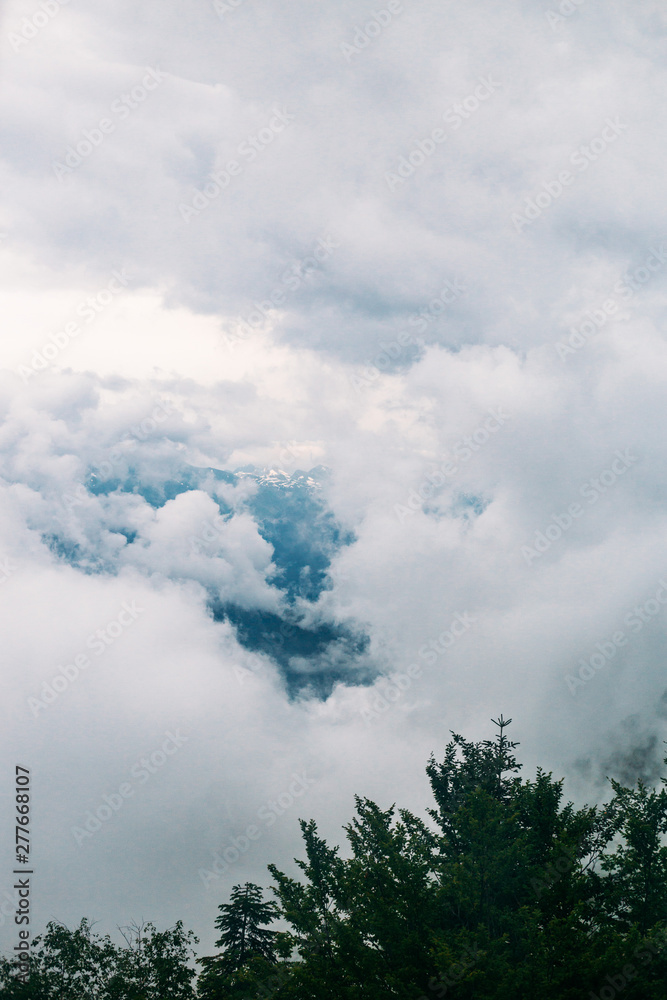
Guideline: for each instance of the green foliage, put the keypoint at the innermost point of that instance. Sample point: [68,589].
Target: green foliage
[510,893]
[241,923]
[250,948]
[505,892]
[636,870]
[81,965]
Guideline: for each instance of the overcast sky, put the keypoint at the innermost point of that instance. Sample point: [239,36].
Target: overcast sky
[423,244]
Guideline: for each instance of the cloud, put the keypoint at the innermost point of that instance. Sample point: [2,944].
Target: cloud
[405,334]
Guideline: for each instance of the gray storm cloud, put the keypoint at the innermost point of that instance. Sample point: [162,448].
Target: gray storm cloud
[427,259]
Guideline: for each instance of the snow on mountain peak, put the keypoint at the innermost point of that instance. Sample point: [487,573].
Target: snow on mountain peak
[283,479]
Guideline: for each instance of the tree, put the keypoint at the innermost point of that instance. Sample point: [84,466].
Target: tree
[154,964]
[510,894]
[242,924]
[505,892]
[81,965]
[250,948]
[636,871]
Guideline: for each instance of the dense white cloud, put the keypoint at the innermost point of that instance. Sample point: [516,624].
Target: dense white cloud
[471,342]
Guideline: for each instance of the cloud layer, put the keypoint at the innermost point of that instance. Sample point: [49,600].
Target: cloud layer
[419,245]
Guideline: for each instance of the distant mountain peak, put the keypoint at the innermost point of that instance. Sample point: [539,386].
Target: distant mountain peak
[281,479]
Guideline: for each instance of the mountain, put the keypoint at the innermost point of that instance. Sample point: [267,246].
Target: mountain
[280,479]
[292,514]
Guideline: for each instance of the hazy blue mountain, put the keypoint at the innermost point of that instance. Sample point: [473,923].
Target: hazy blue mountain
[292,515]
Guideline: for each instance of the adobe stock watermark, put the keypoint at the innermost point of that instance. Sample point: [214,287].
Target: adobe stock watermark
[635,620]
[304,454]
[140,431]
[31,26]
[564,861]
[581,158]
[463,451]
[626,287]
[88,309]
[392,689]
[98,642]
[449,293]
[616,983]
[254,662]
[454,116]
[292,279]
[243,673]
[383,361]
[8,906]
[454,974]
[566,8]
[276,641]
[390,352]
[7,568]
[372,29]
[436,647]
[116,457]
[92,138]
[223,7]
[267,816]
[247,151]
[389,691]
[209,535]
[293,453]
[142,771]
[592,489]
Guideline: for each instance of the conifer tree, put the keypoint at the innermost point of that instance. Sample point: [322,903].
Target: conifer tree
[508,893]
[242,923]
[250,948]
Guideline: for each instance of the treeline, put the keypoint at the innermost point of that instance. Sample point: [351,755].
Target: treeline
[508,893]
